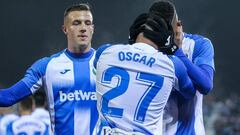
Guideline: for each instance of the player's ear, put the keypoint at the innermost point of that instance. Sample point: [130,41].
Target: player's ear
[93,28]
[64,29]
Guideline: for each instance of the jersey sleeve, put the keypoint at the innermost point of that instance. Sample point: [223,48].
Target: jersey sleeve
[34,75]
[183,83]
[26,86]
[203,53]
[201,68]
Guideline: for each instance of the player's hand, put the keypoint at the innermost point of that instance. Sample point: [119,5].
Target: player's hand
[178,31]
[161,34]
[156,29]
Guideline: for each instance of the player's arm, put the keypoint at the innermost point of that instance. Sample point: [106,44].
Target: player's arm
[183,83]
[14,94]
[202,71]
[26,86]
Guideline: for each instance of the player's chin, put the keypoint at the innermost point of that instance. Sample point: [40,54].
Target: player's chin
[83,42]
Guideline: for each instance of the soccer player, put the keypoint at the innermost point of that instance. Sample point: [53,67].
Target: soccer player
[7,118]
[197,54]
[135,81]
[67,78]
[40,111]
[27,124]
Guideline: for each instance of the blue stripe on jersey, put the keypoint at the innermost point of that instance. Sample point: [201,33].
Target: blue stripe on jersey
[99,52]
[82,73]
[186,117]
[61,117]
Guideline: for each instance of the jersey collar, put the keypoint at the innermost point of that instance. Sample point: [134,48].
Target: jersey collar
[145,47]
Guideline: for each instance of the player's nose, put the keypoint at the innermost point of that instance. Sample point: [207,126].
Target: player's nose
[83,30]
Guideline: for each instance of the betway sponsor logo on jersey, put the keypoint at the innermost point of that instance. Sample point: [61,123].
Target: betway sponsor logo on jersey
[77,95]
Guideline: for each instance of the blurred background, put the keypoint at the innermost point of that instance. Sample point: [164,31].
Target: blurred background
[31,29]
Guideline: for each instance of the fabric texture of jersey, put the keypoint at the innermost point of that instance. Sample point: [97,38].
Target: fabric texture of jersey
[5,121]
[42,115]
[70,88]
[143,77]
[183,116]
[27,125]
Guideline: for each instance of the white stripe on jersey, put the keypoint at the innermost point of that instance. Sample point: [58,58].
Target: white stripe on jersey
[188,49]
[82,122]
[50,79]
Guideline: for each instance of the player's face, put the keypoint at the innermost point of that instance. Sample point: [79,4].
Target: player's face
[178,30]
[78,26]
[174,22]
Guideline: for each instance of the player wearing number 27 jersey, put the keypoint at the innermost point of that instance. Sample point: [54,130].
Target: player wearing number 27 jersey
[133,85]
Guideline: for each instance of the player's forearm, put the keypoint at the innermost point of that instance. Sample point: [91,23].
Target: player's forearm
[14,94]
[184,83]
[186,87]
[201,76]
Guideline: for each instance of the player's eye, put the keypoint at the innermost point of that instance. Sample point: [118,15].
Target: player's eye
[76,22]
[88,22]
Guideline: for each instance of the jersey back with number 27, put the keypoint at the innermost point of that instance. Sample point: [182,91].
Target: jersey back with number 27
[133,85]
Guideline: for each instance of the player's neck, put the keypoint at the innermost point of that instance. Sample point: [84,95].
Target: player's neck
[79,49]
[25,112]
[142,39]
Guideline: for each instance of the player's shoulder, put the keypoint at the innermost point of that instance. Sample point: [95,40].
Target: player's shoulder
[202,43]
[9,117]
[45,60]
[102,48]
[199,39]
[108,47]
[105,47]
[26,119]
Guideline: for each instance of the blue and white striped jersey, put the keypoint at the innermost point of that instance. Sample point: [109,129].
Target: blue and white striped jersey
[133,85]
[5,121]
[183,116]
[27,125]
[70,89]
